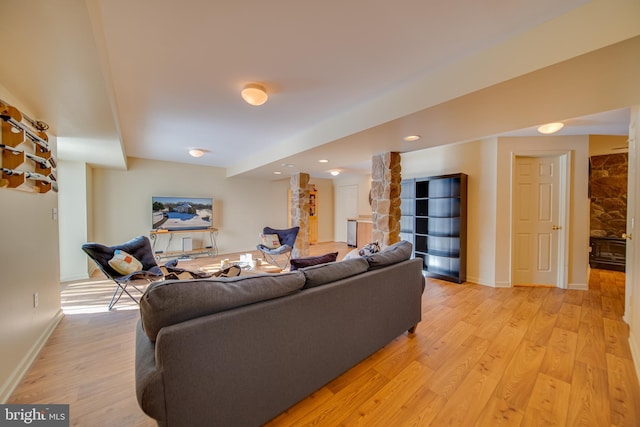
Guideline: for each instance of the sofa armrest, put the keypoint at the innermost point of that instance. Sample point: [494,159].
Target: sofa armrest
[149,384]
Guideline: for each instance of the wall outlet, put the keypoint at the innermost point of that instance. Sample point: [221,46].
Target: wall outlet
[35,300]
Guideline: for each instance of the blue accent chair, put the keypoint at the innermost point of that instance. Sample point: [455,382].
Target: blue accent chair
[281,255]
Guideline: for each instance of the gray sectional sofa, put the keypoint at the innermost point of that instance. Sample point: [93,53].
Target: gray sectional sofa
[239,351]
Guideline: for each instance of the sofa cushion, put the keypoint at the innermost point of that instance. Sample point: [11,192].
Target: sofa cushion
[325,273]
[173,301]
[400,251]
[297,263]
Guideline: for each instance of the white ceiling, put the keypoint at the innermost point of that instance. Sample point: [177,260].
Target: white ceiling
[153,78]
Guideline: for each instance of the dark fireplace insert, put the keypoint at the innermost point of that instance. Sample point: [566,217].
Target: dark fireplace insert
[607,253]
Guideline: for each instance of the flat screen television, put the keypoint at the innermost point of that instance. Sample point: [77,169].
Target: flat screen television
[181,213]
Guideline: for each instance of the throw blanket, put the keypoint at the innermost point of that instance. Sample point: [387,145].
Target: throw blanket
[171,271]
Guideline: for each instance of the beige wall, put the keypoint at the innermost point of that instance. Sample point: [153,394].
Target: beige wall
[242,207]
[478,160]
[74,218]
[28,264]
[607,144]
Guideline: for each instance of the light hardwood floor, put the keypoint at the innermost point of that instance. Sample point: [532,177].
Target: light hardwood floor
[525,356]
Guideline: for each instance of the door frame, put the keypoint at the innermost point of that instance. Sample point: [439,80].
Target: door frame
[633,207]
[565,160]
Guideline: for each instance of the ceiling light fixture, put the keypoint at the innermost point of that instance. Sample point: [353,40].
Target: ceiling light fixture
[254,94]
[550,128]
[335,173]
[410,138]
[196,152]
[323,161]
[277,173]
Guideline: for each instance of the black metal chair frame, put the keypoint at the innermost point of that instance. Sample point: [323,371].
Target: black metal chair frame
[287,238]
[140,248]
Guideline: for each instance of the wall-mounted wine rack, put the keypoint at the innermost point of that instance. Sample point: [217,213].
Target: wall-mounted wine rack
[27,160]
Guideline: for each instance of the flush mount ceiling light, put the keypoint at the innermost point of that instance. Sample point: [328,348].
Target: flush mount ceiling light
[335,173]
[196,152]
[411,138]
[323,161]
[550,128]
[254,94]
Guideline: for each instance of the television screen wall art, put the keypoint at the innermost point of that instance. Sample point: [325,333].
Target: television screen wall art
[181,213]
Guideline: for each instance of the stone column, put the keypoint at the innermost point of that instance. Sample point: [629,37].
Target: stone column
[300,213]
[385,197]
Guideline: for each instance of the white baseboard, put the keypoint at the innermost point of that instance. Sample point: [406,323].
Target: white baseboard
[479,281]
[21,370]
[503,284]
[74,278]
[579,286]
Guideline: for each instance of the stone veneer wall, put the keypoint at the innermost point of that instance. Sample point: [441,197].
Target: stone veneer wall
[300,213]
[608,183]
[385,197]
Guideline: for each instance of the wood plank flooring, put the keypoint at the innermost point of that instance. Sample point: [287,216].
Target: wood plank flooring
[525,356]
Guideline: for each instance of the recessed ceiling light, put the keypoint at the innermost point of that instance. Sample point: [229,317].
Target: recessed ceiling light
[196,152]
[335,173]
[411,138]
[287,165]
[550,128]
[277,173]
[323,161]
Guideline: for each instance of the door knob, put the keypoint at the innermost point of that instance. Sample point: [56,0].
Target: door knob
[556,227]
[627,236]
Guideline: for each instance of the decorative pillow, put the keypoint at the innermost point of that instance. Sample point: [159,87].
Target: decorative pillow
[270,240]
[297,263]
[370,249]
[354,253]
[124,263]
[398,252]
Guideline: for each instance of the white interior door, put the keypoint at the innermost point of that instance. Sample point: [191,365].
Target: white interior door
[345,206]
[536,220]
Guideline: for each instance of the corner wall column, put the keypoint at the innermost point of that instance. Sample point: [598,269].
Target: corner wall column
[300,213]
[386,177]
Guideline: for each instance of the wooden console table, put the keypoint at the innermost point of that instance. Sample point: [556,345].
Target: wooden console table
[209,250]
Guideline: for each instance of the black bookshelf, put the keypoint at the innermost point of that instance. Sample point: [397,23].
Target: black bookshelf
[440,225]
